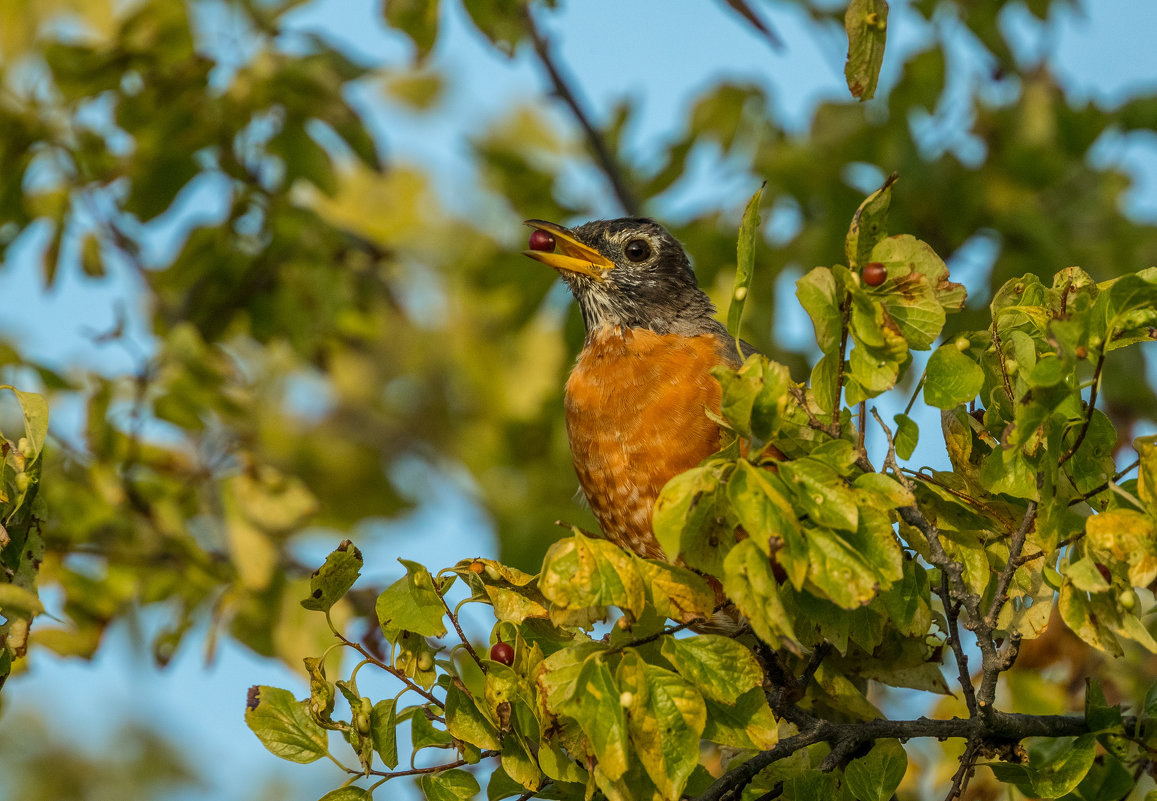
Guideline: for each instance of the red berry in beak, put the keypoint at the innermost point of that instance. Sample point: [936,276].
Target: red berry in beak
[541,240]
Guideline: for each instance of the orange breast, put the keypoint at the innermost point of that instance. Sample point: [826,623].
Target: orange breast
[635,417]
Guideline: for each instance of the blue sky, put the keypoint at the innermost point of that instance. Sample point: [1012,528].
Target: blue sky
[668,57]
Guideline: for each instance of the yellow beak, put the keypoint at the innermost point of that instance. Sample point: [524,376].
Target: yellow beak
[569,254]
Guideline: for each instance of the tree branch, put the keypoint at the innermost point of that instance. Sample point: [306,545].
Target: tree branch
[603,156]
[996,728]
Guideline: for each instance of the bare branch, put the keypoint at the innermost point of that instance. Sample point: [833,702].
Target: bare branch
[603,156]
[952,614]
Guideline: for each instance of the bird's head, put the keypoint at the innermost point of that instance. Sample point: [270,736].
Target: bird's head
[629,273]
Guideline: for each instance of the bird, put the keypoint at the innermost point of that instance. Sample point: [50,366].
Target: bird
[637,398]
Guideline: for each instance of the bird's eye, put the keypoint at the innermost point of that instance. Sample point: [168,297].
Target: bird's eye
[637,250]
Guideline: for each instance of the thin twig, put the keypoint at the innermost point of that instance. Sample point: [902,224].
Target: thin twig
[913,516]
[964,771]
[1102,487]
[393,671]
[652,637]
[952,613]
[1091,409]
[812,420]
[461,634]
[603,156]
[1015,546]
[394,774]
[845,313]
[862,427]
[916,391]
[1000,358]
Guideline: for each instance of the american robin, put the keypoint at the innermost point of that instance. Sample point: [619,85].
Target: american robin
[636,399]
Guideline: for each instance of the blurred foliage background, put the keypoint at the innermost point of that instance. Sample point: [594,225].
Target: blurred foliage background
[309,332]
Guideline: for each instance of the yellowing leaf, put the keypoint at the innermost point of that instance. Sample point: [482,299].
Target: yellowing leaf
[750,584]
[1129,537]
[666,716]
[579,573]
[676,592]
[866,23]
[330,582]
[718,667]
[411,604]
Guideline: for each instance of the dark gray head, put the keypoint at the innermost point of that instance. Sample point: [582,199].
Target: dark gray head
[628,272]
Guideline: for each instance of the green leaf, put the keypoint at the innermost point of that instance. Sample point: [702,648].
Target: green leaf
[719,667]
[766,514]
[665,718]
[465,721]
[284,726]
[870,222]
[34,408]
[513,606]
[411,604]
[597,709]
[866,22]
[350,793]
[951,378]
[749,582]
[745,263]
[449,785]
[838,571]
[817,294]
[906,436]
[876,775]
[424,735]
[748,723]
[330,582]
[754,397]
[821,493]
[418,19]
[1007,470]
[1065,772]
[579,573]
[1127,537]
[687,518]
[383,731]
[676,592]
[500,21]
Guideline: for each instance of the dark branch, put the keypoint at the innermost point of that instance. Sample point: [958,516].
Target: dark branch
[998,727]
[603,156]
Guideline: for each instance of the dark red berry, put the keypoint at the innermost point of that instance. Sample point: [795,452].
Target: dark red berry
[541,240]
[502,652]
[874,273]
